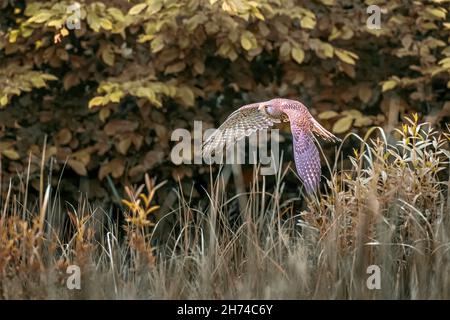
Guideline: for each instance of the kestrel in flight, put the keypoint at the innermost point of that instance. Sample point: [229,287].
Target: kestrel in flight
[258,116]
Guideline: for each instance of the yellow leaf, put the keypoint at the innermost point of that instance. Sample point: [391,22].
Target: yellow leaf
[108,56]
[40,17]
[116,96]
[248,40]
[342,125]
[298,55]
[154,6]
[13,36]
[37,81]
[64,32]
[285,49]
[327,49]
[328,115]
[308,22]
[137,9]
[246,44]
[93,21]
[56,23]
[157,44]
[355,114]
[439,13]
[362,122]
[104,114]
[106,24]
[445,63]
[145,92]
[11,154]
[97,101]
[335,33]
[345,56]
[116,14]
[4,100]
[388,85]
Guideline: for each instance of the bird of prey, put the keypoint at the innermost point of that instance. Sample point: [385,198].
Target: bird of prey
[258,116]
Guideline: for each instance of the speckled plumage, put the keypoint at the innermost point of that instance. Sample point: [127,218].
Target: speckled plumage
[257,116]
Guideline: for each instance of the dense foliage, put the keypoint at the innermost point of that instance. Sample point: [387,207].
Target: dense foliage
[108,94]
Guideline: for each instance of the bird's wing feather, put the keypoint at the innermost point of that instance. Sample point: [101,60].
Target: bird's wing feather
[241,123]
[321,131]
[307,158]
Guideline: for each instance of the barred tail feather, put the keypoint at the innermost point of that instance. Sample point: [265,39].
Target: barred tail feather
[324,133]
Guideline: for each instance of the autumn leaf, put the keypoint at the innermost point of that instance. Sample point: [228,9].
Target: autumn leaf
[388,85]
[364,93]
[327,115]
[77,166]
[64,136]
[248,40]
[11,154]
[346,56]
[135,10]
[298,55]
[97,101]
[4,100]
[342,125]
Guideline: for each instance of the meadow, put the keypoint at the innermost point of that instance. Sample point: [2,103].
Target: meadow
[390,210]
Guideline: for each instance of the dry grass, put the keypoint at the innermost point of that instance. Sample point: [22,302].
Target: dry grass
[390,209]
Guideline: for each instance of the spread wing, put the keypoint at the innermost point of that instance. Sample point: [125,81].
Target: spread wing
[241,123]
[307,158]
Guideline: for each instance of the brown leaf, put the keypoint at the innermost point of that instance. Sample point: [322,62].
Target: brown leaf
[63,137]
[115,126]
[77,166]
[364,93]
[116,168]
[123,145]
[153,158]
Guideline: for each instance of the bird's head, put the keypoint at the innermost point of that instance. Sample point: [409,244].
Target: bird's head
[271,109]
